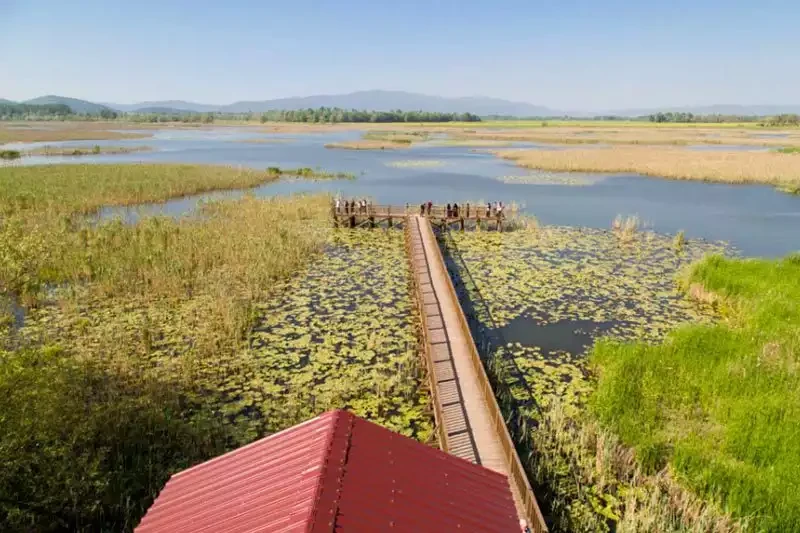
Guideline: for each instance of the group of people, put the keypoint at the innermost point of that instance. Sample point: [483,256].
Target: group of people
[454,211]
[352,207]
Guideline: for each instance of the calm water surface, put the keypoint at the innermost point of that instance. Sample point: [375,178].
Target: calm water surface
[758,220]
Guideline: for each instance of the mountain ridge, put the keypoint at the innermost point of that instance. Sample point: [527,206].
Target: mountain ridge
[383,100]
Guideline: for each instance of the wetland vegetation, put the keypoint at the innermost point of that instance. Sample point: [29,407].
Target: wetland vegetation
[718,403]
[80,151]
[776,169]
[64,131]
[202,333]
[368,145]
[415,163]
[549,293]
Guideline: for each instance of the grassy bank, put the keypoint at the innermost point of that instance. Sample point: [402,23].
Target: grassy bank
[776,169]
[10,155]
[81,151]
[719,404]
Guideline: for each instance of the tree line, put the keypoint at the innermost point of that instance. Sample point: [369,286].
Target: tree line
[336,114]
[18,111]
[15,111]
[786,119]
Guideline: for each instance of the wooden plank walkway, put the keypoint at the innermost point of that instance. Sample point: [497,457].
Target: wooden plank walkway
[396,216]
[469,422]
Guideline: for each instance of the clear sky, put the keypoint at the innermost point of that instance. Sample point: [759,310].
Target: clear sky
[565,54]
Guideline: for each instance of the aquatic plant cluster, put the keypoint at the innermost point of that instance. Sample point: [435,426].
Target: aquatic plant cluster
[415,163]
[85,150]
[343,335]
[543,177]
[202,332]
[550,293]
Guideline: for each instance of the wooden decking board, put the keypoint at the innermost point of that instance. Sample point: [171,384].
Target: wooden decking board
[466,416]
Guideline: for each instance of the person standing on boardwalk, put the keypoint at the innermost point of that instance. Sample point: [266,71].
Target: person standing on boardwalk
[430,206]
[455,210]
[449,211]
[338,205]
[422,210]
[488,209]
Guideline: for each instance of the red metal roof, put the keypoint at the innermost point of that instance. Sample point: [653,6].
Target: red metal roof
[334,473]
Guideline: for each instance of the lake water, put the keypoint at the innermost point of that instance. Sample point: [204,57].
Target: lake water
[757,220]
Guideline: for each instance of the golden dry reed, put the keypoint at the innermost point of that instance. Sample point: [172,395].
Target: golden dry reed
[781,170]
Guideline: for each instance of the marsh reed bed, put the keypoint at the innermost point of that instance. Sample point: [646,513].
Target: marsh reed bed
[779,169]
[148,347]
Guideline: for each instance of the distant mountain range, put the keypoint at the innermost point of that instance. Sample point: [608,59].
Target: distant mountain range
[379,100]
[77,106]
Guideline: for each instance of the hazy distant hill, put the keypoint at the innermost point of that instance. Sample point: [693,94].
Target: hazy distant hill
[369,100]
[164,110]
[379,100]
[77,106]
[173,105]
[391,100]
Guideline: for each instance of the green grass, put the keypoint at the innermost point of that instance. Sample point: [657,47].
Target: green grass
[719,403]
[10,154]
[789,150]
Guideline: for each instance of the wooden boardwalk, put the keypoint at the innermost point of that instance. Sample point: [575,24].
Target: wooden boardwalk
[469,422]
[397,216]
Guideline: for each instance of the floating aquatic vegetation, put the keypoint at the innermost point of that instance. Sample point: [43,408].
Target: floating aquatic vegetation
[341,334]
[543,177]
[415,163]
[543,296]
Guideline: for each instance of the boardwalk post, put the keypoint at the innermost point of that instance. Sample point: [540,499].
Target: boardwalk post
[462,223]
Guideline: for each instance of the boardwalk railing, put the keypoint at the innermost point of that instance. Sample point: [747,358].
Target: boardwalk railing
[516,472]
[441,433]
[372,215]
[513,466]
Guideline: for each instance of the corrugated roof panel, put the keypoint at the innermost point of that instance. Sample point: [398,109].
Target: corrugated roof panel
[392,482]
[269,485]
[339,473]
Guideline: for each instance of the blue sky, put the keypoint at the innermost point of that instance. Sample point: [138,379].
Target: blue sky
[574,55]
